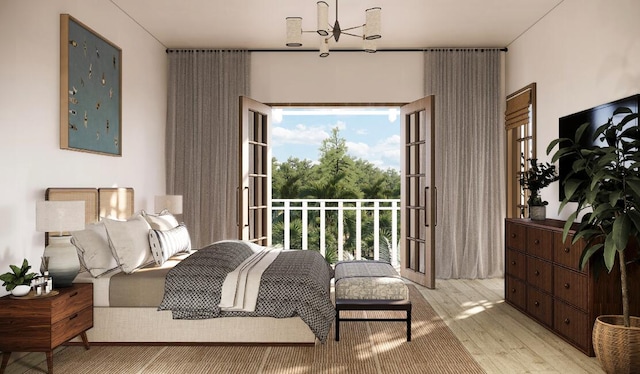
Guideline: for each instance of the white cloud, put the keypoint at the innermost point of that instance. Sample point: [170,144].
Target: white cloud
[384,154]
[300,135]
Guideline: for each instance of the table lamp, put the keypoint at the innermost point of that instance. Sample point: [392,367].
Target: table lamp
[172,203]
[58,218]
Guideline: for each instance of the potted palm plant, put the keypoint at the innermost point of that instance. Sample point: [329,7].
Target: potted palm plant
[537,177]
[609,198]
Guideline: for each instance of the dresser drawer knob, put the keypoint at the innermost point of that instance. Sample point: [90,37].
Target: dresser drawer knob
[567,249]
[536,241]
[536,303]
[513,290]
[567,285]
[567,321]
[536,273]
[513,262]
[513,235]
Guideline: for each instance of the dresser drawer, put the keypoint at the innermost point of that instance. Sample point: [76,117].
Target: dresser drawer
[540,243]
[516,292]
[565,253]
[516,263]
[71,326]
[570,286]
[573,324]
[516,236]
[540,305]
[540,274]
[69,303]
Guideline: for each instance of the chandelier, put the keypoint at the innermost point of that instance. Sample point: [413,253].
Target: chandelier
[370,29]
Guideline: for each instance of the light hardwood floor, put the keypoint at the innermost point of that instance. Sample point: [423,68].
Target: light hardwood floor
[500,338]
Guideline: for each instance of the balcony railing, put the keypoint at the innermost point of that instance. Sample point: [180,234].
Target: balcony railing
[340,221]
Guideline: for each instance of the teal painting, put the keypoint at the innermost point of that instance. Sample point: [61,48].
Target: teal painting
[91,90]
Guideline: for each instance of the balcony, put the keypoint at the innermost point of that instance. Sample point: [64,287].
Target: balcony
[341,229]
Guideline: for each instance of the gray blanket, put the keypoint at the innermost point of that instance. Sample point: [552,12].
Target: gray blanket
[297,283]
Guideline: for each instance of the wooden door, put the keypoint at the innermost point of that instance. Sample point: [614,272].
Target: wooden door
[418,192]
[254,191]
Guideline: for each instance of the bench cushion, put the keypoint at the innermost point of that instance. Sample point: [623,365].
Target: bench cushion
[368,280]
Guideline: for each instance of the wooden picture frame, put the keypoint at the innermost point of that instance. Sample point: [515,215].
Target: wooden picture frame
[90,90]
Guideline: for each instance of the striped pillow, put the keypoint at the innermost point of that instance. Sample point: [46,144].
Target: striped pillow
[167,243]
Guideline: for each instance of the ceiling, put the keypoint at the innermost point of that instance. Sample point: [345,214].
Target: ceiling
[260,24]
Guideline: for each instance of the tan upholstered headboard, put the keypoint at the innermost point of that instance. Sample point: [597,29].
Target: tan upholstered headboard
[109,202]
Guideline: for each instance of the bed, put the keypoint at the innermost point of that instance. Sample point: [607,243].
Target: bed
[132,307]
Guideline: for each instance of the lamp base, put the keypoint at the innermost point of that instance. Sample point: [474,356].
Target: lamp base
[63,261]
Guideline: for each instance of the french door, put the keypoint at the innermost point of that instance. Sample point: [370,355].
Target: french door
[418,192]
[254,191]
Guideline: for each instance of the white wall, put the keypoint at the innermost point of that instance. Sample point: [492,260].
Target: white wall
[351,77]
[29,117]
[582,54]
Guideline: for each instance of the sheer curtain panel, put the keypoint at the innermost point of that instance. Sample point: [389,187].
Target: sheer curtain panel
[202,138]
[470,171]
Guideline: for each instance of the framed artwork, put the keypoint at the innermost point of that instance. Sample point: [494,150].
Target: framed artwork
[90,90]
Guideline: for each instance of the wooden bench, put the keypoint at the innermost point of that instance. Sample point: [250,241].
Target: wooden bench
[370,285]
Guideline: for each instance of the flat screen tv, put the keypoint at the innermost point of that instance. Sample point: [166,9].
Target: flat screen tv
[568,125]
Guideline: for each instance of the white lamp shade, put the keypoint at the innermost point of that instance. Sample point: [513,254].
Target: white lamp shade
[324,48]
[373,23]
[294,32]
[323,18]
[172,203]
[59,216]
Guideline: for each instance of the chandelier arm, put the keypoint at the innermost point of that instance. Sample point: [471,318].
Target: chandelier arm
[350,34]
[353,28]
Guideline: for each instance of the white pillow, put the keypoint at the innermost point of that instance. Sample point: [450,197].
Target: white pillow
[94,252]
[129,242]
[162,221]
[165,244]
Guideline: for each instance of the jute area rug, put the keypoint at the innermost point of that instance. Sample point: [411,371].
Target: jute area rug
[364,348]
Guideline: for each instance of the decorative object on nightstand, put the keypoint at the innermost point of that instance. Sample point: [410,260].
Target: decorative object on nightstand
[19,279]
[40,324]
[58,218]
[172,203]
[537,177]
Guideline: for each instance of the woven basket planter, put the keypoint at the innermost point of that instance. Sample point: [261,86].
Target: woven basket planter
[617,347]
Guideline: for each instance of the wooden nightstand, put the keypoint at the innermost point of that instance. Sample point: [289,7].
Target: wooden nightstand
[42,324]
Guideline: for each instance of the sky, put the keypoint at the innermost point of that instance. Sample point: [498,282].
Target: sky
[372,134]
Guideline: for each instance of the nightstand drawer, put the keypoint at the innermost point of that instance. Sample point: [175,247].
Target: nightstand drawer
[570,286]
[69,303]
[71,326]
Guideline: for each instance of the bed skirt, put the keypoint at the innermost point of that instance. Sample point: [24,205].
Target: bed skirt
[147,325]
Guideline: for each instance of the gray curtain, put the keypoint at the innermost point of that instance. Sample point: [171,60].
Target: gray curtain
[469,103]
[202,138]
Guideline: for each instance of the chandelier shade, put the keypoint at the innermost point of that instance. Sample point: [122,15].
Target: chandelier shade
[294,32]
[371,29]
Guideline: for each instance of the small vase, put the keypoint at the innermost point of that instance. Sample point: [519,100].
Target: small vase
[21,290]
[537,212]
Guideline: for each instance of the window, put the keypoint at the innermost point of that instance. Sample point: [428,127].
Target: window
[520,124]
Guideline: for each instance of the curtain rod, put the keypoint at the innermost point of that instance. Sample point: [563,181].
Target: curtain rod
[480,49]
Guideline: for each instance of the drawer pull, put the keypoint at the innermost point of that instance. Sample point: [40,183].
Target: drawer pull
[567,250]
[567,285]
[536,242]
[513,262]
[513,290]
[74,294]
[73,316]
[513,235]
[536,303]
[567,321]
[536,273]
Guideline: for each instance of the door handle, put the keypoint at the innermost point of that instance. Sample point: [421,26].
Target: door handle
[426,207]
[248,207]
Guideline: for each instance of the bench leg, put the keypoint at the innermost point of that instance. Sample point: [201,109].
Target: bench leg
[409,324]
[337,325]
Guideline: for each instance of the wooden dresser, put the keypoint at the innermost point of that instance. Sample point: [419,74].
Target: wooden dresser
[543,280]
[42,324]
